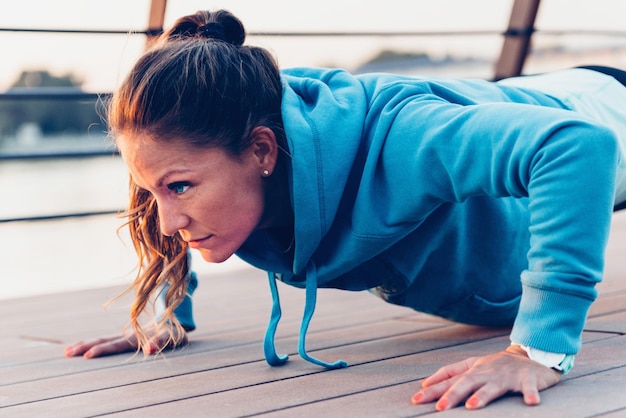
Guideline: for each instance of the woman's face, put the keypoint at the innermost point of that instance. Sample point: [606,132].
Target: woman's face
[213,200]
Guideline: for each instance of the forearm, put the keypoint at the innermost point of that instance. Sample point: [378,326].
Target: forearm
[571,191]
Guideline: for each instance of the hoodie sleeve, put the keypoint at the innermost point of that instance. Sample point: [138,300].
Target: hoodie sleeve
[564,164]
[184,311]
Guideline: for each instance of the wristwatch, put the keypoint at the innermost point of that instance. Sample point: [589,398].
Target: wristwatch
[559,362]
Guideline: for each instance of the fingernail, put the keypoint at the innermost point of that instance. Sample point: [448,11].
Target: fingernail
[472,402]
[442,405]
[417,398]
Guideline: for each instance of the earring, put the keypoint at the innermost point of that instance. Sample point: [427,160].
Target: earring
[266,172]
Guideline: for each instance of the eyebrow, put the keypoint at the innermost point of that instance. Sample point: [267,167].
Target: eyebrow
[165,176]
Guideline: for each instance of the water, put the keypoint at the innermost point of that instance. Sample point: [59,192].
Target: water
[41,257]
[48,256]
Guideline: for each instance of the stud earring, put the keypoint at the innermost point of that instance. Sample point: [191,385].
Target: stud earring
[266,172]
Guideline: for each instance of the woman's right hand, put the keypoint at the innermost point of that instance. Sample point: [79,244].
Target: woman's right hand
[124,343]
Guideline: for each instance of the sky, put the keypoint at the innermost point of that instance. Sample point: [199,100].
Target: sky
[102,60]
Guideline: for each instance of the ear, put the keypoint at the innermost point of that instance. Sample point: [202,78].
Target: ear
[265,148]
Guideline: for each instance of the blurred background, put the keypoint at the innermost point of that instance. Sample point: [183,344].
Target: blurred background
[61,183]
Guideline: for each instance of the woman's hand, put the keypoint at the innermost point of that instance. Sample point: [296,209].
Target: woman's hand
[480,380]
[125,343]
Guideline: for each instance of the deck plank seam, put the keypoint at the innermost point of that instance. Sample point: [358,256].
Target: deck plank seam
[356,392]
[305,374]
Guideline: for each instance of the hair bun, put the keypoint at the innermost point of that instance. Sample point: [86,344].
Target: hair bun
[231,27]
[213,30]
[220,25]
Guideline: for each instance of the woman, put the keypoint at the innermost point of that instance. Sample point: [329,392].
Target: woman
[485,203]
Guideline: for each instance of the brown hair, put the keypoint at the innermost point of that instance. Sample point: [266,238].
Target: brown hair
[198,84]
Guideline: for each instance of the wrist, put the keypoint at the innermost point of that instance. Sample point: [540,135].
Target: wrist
[556,361]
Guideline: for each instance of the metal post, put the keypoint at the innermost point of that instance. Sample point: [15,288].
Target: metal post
[156,20]
[517,39]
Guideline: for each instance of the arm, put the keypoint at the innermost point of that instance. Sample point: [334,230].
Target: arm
[566,167]
[127,342]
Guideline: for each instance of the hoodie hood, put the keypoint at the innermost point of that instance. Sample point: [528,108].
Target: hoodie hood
[323,114]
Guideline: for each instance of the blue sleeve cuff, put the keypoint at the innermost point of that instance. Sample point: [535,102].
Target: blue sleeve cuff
[550,320]
[184,311]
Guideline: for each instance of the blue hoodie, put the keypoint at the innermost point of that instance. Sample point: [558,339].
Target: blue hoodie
[479,202]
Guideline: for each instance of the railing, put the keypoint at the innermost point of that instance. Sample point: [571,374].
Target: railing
[515,48]
[62,216]
[70,94]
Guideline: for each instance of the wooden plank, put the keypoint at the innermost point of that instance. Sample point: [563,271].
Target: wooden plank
[235,335]
[194,375]
[230,349]
[189,370]
[618,413]
[152,367]
[307,394]
[245,312]
[589,395]
[613,323]
[517,39]
[384,389]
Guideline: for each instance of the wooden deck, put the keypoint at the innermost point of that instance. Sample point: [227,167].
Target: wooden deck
[222,372]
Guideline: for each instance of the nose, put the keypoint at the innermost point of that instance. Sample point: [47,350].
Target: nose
[171,218]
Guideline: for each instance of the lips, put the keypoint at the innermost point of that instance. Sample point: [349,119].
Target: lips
[198,243]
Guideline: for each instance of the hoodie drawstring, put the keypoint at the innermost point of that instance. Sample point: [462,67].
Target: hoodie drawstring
[309,309]
[271,357]
[269,348]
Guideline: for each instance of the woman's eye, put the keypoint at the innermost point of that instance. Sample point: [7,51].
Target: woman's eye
[178,187]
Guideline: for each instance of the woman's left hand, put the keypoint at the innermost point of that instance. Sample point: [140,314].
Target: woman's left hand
[480,380]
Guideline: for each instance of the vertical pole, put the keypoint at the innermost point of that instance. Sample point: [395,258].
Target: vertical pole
[156,20]
[517,39]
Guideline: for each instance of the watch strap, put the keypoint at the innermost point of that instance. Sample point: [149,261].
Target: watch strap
[557,361]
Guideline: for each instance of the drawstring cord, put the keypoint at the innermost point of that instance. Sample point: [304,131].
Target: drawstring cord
[309,309]
[269,348]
